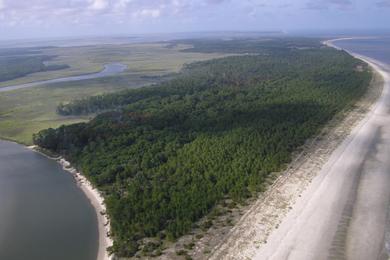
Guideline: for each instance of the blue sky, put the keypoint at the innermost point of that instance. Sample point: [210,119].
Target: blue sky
[53,18]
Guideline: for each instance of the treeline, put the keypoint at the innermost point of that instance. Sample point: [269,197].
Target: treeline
[173,151]
[278,45]
[15,64]
[22,51]
[202,75]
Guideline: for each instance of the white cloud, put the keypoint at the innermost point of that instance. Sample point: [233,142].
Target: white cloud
[145,13]
[325,4]
[124,3]
[98,4]
[68,10]
[2,5]
[181,15]
[121,6]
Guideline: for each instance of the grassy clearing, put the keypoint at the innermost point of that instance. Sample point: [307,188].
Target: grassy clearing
[151,59]
[27,111]
[24,112]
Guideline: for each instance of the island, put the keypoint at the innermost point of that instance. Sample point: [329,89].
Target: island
[170,158]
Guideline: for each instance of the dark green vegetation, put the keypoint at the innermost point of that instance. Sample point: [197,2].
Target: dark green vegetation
[15,63]
[253,46]
[27,111]
[4,52]
[167,154]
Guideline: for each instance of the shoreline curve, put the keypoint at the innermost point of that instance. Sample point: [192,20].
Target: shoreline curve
[95,198]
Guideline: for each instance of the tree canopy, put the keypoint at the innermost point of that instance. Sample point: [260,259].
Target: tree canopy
[165,155]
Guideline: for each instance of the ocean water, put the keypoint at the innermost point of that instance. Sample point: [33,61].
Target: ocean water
[43,214]
[376,47]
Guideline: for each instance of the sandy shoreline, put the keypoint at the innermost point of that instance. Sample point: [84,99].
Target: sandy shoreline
[313,211]
[96,200]
[343,214]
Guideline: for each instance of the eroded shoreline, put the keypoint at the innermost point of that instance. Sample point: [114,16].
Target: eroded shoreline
[96,199]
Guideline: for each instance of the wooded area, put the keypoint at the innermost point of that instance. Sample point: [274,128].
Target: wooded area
[15,63]
[165,155]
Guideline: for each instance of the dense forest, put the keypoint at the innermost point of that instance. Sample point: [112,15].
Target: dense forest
[15,63]
[246,46]
[165,155]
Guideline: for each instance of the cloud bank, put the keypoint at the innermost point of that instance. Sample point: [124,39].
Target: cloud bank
[135,16]
[326,4]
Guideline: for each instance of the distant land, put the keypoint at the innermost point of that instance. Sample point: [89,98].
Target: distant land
[136,38]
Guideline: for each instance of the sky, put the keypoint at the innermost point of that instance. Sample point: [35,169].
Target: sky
[63,18]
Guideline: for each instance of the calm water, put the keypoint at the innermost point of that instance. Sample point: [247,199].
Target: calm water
[378,48]
[109,70]
[43,214]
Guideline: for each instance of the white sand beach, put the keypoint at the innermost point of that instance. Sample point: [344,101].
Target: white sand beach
[340,213]
[97,202]
[343,214]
